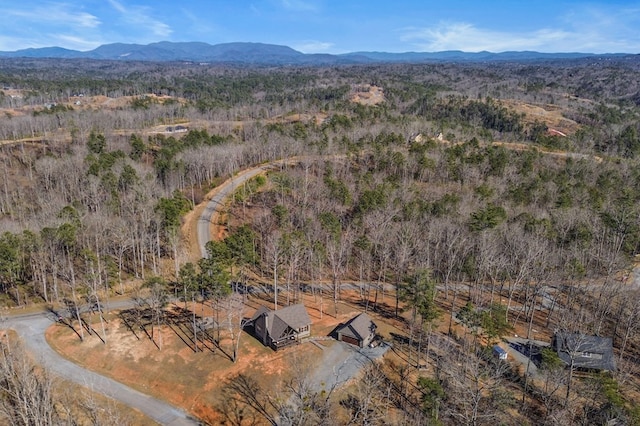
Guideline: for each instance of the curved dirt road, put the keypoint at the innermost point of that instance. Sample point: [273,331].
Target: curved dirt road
[31,328]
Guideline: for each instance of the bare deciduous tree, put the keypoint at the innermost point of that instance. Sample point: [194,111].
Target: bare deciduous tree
[27,391]
[368,403]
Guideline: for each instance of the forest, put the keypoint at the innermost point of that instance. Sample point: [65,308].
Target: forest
[485,200]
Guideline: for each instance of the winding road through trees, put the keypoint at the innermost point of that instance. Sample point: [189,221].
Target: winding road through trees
[31,328]
[217,201]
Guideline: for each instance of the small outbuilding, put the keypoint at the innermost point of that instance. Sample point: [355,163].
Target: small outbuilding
[584,352]
[284,327]
[359,331]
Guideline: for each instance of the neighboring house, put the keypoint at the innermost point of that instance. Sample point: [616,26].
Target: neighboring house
[358,331]
[283,327]
[584,352]
[175,129]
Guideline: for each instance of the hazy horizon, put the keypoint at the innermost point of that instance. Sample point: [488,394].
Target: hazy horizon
[328,26]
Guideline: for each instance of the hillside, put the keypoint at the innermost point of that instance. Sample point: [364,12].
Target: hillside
[269,54]
[458,203]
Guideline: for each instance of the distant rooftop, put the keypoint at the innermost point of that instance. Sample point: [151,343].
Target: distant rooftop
[587,352]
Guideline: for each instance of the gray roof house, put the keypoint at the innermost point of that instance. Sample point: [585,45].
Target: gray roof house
[584,352]
[358,331]
[283,327]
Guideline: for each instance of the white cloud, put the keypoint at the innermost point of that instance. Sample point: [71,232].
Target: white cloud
[89,21]
[54,14]
[67,41]
[140,16]
[197,24]
[160,29]
[117,6]
[75,42]
[312,46]
[582,36]
[467,37]
[10,44]
[606,28]
[46,24]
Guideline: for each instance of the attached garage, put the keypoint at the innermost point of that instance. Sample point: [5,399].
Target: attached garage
[358,331]
[352,340]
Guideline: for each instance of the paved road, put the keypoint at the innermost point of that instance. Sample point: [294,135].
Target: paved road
[31,329]
[340,361]
[217,201]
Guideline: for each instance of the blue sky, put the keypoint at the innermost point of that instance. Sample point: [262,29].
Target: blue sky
[329,26]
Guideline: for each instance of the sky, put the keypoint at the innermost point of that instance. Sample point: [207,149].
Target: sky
[329,26]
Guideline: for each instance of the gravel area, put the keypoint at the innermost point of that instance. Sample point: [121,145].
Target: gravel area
[341,362]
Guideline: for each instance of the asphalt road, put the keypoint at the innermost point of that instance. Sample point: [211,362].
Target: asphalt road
[217,202]
[31,329]
[339,364]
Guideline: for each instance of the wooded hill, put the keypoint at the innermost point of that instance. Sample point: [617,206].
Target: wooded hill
[513,187]
[263,54]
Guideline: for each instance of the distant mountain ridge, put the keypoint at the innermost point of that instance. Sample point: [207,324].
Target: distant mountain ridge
[271,54]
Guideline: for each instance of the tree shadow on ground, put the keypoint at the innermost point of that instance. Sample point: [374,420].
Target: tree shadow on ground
[64,320]
[380,308]
[138,318]
[181,321]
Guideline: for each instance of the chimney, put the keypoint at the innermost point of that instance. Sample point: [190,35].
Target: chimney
[266,328]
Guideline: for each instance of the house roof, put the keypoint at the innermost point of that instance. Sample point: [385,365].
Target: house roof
[592,352]
[359,327]
[294,316]
[261,310]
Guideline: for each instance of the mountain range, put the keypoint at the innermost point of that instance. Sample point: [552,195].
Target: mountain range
[270,54]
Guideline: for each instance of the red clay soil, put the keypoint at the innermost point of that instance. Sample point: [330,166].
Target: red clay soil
[177,374]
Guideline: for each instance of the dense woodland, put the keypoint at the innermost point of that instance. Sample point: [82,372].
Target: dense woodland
[410,194]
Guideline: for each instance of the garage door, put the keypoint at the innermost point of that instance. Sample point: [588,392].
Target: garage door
[351,340]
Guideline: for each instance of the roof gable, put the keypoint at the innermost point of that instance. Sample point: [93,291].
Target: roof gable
[261,310]
[294,316]
[359,327]
[277,327]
